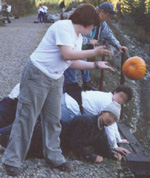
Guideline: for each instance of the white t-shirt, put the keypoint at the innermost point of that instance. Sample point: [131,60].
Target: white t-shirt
[47,57]
[9,8]
[41,9]
[0,8]
[45,9]
[93,102]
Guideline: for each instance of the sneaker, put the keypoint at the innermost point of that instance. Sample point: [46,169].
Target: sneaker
[11,170]
[87,86]
[65,167]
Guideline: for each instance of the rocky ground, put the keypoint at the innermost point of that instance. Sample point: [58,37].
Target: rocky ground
[18,40]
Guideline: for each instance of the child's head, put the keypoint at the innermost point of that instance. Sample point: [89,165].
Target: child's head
[111,113]
[122,94]
[85,15]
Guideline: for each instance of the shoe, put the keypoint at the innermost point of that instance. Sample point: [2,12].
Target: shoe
[65,167]
[11,170]
[87,86]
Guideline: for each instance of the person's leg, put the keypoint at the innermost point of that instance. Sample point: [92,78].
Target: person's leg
[4,135]
[85,75]
[66,114]
[69,77]
[41,16]
[7,111]
[86,79]
[30,102]
[51,128]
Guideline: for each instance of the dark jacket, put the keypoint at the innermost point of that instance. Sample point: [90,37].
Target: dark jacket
[81,132]
[76,135]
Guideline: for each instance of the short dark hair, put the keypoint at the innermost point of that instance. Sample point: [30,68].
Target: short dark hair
[85,15]
[126,89]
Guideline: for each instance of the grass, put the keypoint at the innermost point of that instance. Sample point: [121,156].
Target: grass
[2,24]
[130,27]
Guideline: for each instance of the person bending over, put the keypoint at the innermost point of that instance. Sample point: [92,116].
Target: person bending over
[77,135]
[93,102]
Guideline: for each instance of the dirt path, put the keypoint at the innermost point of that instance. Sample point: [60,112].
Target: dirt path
[17,41]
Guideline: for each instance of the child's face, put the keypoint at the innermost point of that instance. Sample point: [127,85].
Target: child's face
[108,118]
[120,97]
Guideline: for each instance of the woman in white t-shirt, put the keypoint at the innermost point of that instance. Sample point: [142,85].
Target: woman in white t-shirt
[41,87]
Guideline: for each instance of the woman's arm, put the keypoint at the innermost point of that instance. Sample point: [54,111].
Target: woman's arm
[70,54]
[82,65]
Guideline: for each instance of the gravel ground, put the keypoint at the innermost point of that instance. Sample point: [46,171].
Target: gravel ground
[18,40]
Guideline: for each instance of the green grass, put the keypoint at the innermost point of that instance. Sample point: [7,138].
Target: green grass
[2,24]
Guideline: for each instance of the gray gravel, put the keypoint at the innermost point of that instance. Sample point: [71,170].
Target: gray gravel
[18,40]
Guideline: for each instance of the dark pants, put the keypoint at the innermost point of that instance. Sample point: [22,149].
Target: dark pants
[36,146]
[7,111]
[41,17]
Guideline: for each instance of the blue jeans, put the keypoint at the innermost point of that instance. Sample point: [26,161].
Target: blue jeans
[70,76]
[66,114]
[42,17]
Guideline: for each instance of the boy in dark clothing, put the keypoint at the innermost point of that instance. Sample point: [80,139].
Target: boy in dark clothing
[76,135]
[88,130]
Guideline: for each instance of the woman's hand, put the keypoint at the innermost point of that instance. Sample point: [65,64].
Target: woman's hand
[101,50]
[102,65]
[99,159]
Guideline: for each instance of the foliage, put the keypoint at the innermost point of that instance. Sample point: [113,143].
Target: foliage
[137,11]
[1,24]
[20,8]
[97,2]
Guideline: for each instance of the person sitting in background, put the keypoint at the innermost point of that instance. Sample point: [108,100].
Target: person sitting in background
[97,35]
[93,102]
[77,135]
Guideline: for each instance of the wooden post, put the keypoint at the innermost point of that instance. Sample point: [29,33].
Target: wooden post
[123,59]
[122,79]
[102,72]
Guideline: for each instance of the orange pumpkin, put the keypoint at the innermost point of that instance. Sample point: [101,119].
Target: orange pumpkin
[134,68]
